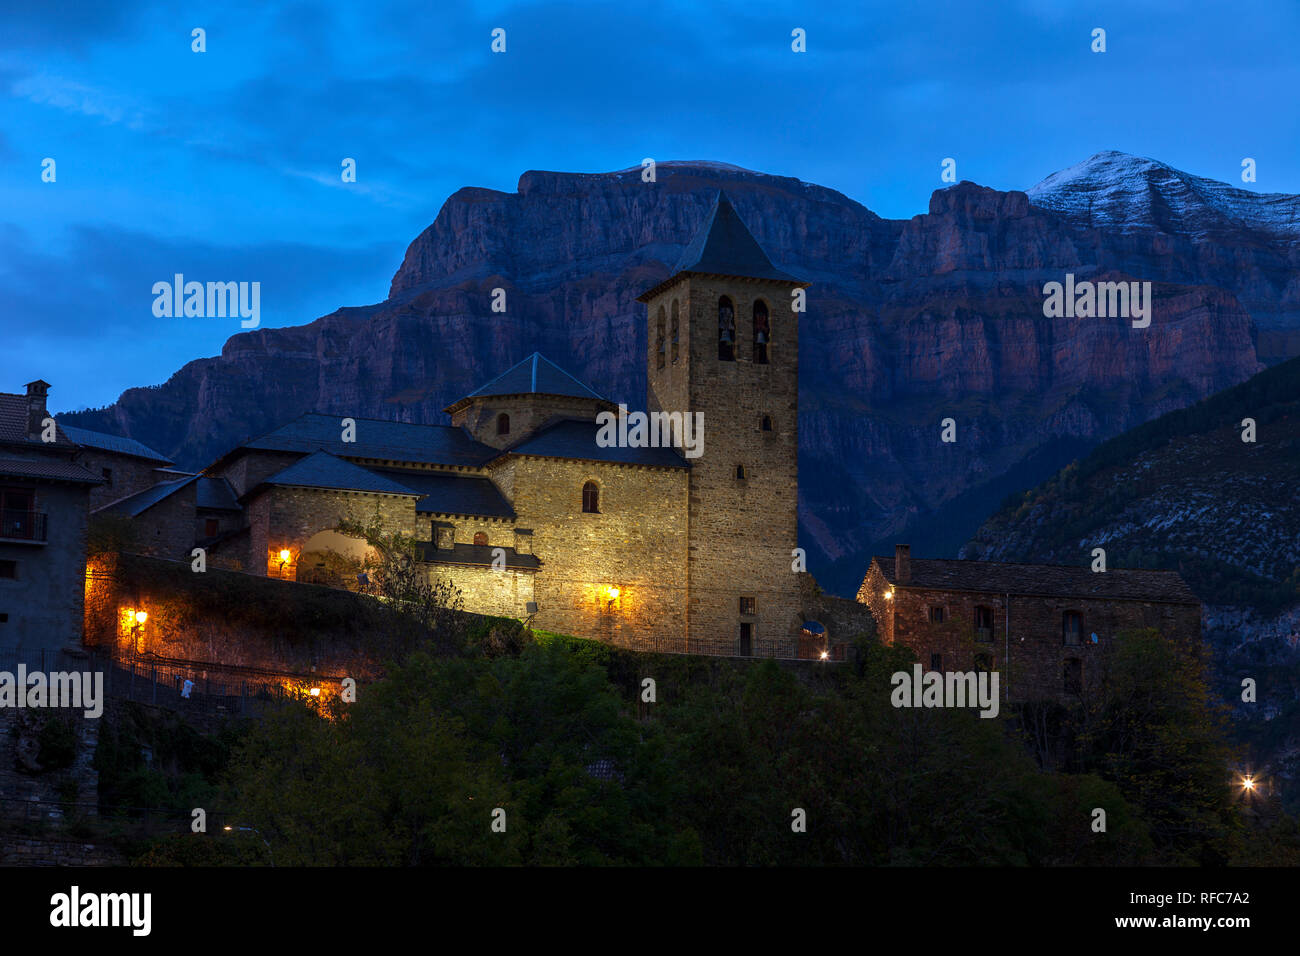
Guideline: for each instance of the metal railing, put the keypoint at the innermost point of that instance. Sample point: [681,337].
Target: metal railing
[22,525]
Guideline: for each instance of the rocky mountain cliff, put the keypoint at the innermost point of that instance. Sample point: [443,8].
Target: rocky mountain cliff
[908,322]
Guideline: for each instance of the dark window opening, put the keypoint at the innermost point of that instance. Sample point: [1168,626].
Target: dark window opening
[480,539]
[726,330]
[762,332]
[766,424]
[936,614]
[674,329]
[746,639]
[741,473]
[747,605]
[661,351]
[591,498]
[108,475]
[503,424]
[983,624]
[210,527]
[1072,676]
[8,569]
[1071,626]
[936,662]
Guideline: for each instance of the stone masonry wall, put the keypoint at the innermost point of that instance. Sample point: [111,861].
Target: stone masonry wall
[637,544]
[742,531]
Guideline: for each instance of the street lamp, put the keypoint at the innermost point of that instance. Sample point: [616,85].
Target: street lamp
[259,836]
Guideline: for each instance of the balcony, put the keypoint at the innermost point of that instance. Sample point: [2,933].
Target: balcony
[27,526]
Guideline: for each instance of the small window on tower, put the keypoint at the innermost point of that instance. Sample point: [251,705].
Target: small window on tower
[591,498]
[675,335]
[726,330]
[503,424]
[480,539]
[741,473]
[661,351]
[762,332]
[766,424]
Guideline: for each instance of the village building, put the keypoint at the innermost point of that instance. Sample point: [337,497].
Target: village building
[1045,629]
[44,514]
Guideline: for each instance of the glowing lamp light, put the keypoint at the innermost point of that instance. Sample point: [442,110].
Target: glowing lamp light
[1247,783]
[613,592]
[825,656]
[315,691]
[141,617]
[284,555]
[889,595]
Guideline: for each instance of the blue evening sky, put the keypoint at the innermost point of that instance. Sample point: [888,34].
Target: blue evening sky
[225,165]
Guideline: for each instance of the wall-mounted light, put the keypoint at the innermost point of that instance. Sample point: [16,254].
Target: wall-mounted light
[315,691]
[889,595]
[141,617]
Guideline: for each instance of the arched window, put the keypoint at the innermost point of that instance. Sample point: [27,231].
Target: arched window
[675,336]
[726,330]
[766,424]
[741,473]
[480,539]
[503,424]
[591,498]
[661,350]
[762,332]
[1071,625]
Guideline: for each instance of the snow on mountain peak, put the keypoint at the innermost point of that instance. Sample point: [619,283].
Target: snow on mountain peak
[1112,189]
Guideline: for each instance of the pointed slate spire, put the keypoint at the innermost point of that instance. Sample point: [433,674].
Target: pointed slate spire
[725,246]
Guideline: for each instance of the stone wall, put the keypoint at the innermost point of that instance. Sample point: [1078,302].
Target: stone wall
[129,474]
[527,413]
[18,850]
[286,518]
[1027,640]
[167,529]
[636,544]
[43,602]
[742,530]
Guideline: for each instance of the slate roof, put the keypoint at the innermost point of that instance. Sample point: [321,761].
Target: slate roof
[323,470]
[140,502]
[571,438]
[50,469]
[394,441]
[215,494]
[1053,580]
[535,375]
[452,494]
[476,554]
[114,443]
[724,246]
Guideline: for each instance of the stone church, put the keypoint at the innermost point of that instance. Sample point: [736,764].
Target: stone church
[523,509]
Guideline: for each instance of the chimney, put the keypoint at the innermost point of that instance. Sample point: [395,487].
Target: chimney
[36,413]
[902,564]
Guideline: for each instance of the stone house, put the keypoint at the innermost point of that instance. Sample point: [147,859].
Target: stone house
[125,465]
[44,514]
[1045,629]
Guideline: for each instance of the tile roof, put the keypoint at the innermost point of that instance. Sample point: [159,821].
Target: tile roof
[140,502]
[572,438]
[13,422]
[452,494]
[113,443]
[535,375]
[50,469]
[323,470]
[725,246]
[393,441]
[997,578]
[477,554]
